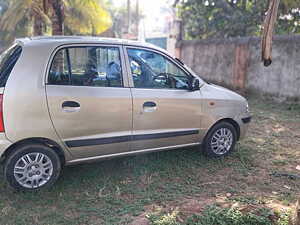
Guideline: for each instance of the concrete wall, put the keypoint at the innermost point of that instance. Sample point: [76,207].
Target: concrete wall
[236,63]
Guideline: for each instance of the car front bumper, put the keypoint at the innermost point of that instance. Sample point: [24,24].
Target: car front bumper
[243,121]
[247,119]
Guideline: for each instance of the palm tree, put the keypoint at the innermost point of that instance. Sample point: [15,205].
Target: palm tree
[86,17]
[18,11]
[52,16]
[57,17]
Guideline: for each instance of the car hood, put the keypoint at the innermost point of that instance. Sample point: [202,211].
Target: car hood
[224,92]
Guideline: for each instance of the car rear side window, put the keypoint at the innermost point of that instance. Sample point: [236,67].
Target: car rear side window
[8,60]
[59,71]
[87,66]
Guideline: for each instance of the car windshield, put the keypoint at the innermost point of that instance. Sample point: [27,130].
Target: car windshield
[190,70]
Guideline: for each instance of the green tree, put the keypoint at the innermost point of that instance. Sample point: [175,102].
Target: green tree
[232,18]
[39,17]
[87,17]
[289,17]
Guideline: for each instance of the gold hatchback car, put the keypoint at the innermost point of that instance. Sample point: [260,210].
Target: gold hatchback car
[68,100]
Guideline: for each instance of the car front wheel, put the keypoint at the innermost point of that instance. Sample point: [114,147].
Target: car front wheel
[220,140]
[32,167]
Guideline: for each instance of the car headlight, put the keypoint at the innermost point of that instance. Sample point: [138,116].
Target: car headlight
[247,108]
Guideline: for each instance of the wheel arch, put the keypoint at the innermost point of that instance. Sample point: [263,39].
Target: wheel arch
[44,141]
[229,120]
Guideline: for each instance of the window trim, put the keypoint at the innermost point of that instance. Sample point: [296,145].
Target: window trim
[124,81]
[69,66]
[131,82]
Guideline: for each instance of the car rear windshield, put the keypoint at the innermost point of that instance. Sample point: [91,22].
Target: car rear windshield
[8,60]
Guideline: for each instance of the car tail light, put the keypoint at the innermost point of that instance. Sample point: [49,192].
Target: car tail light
[1,114]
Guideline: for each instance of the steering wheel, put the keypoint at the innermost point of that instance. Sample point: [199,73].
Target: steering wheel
[170,81]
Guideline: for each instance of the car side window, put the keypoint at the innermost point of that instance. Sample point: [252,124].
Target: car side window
[87,66]
[59,73]
[152,70]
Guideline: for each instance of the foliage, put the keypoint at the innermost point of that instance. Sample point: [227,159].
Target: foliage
[217,216]
[86,17]
[80,17]
[289,20]
[163,219]
[19,29]
[213,215]
[284,217]
[290,3]
[231,18]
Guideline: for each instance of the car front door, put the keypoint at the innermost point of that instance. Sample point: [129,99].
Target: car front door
[89,103]
[165,112]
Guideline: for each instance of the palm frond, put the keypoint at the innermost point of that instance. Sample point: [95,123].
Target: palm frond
[21,10]
[87,17]
[14,14]
[37,10]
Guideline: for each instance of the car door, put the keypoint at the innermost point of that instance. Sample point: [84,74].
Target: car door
[165,112]
[89,102]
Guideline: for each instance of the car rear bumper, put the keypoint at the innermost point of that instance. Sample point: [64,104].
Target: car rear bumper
[4,144]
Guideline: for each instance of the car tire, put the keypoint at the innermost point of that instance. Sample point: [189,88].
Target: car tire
[32,167]
[220,140]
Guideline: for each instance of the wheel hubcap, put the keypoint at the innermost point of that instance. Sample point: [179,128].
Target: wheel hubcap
[221,141]
[33,170]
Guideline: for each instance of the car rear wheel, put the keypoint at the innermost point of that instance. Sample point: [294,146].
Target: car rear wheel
[220,140]
[32,167]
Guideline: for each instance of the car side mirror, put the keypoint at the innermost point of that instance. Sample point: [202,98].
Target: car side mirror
[194,84]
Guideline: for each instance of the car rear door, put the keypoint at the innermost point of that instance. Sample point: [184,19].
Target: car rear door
[89,100]
[165,112]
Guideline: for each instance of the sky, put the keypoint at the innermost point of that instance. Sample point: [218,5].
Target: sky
[152,10]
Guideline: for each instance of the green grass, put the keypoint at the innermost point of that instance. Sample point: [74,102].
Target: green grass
[228,216]
[116,191]
[108,190]
[158,218]
[214,215]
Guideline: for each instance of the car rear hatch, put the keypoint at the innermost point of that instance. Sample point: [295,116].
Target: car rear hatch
[8,60]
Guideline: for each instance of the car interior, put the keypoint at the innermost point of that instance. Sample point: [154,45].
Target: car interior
[150,71]
[87,71]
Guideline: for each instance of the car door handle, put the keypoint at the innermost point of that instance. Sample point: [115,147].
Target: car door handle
[70,106]
[149,106]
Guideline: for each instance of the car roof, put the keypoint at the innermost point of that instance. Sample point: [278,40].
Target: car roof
[54,41]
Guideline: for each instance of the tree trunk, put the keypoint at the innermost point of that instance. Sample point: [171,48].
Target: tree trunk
[128,16]
[137,16]
[57,17]
[268,31]
[37,26]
